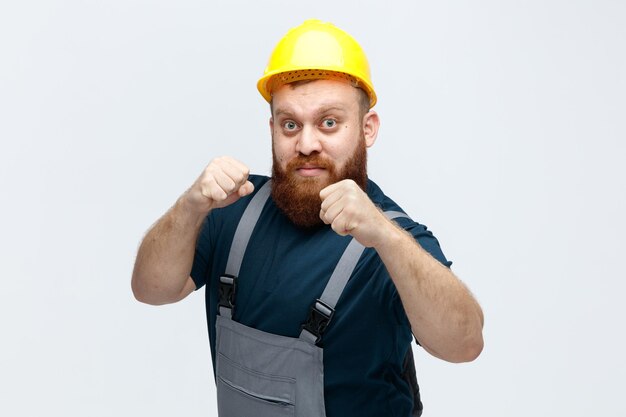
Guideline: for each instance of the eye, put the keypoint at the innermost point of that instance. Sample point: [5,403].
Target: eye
[290,125]
[329,123]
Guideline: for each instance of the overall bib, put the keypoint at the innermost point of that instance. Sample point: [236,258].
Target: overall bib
[259,374]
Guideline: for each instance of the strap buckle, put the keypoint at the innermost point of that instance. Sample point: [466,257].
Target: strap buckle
[320,315]
[227,291]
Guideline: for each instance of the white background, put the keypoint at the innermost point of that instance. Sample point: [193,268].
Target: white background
[503,131]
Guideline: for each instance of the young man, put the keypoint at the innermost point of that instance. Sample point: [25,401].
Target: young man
[313,292]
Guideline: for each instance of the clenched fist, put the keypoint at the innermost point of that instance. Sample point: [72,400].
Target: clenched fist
[349,211]
[222,182]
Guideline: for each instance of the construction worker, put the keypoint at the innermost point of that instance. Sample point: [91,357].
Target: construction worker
[316,281]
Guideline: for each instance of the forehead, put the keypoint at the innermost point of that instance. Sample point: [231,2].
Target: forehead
[315,95]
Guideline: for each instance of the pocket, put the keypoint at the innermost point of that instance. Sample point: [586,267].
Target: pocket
[239,402]
[246,392]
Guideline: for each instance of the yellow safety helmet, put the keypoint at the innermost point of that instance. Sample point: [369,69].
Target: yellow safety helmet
[316,50]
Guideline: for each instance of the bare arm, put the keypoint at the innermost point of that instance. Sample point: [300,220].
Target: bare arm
[164,260]
[444,315]
[165,256]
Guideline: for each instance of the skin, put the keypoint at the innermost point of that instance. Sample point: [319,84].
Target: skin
[165,256]
[313,117]
[321,116]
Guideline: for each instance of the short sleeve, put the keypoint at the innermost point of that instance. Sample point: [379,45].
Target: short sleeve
[202,257]
[426,240]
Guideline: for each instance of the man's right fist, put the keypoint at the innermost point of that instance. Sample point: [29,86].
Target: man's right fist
[221,183]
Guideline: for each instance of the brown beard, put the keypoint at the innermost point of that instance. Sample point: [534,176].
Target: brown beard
[299,197]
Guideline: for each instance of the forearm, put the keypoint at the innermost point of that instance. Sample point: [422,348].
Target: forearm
[444,316]
[165,256]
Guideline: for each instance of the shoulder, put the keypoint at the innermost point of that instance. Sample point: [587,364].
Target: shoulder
[380,199]
[420,232]
[385,203]
[258,181]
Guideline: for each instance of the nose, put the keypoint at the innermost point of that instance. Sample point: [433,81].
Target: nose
[308,141]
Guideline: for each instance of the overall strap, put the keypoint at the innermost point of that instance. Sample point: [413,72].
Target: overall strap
[323,308]
[228,281]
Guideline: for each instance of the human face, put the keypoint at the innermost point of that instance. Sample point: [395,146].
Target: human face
[319,138]
[322,118]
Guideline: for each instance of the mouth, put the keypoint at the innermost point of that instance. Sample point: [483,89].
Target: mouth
[310,170]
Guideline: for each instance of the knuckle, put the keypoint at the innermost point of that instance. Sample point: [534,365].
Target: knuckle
[210,171]
[230,187]
[217,163]
[239,178]
[211,189]
[208,181]
[349,210]
[218,194]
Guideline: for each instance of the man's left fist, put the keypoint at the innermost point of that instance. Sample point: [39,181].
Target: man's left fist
[349,211]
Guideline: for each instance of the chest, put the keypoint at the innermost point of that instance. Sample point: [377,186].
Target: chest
[283,272]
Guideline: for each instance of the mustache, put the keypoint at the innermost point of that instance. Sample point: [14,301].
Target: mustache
[314,159]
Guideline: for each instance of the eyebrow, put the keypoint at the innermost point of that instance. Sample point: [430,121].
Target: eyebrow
[319,112]
[327,109]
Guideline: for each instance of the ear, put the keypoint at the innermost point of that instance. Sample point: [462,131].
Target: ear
[371,123]
[272,126]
